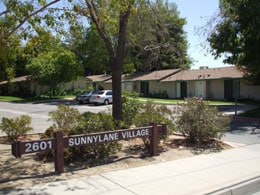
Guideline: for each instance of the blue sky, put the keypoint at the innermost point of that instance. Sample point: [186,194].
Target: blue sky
[197,13]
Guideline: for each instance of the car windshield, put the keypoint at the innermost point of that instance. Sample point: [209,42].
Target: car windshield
[86,93]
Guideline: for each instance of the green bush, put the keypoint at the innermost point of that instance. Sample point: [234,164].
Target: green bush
[200,122]
[71,122]
[66,119]
[151,112]
[130,108]
[16,127]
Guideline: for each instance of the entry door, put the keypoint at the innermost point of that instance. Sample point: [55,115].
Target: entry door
[228,89]
[183,90]
[145,88]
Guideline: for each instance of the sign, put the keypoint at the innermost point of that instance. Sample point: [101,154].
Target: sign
[80,140]
[58,143]
[27,147]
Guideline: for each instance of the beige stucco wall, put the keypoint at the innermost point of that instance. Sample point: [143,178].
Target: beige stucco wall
[41,89]
[154,87]
[81,83]
[161,87]
[37,89]
[215,89]
[170,88]
[249,91]
[128,86]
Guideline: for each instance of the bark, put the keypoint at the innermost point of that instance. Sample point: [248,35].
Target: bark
[116,58]
[118,66]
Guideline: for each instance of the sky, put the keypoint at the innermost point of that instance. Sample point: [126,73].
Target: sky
[197,13]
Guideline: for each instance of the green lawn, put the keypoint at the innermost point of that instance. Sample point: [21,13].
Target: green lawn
[173,101]
[10,98]
[142,99]
[18,99]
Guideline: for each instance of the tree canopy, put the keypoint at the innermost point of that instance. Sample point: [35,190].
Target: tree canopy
[18,20]
[237,36]
[54,67]
[156,37]
[155,40]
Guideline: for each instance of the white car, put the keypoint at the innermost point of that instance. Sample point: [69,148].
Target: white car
[101,97]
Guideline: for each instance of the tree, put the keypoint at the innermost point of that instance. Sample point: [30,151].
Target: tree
[237,36]
[111,19]
[156,42]
[22,16]
[54,67]
[156,37]
[17,21]
[90,50]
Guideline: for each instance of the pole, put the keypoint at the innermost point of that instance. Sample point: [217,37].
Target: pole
[59,152]
[154,140]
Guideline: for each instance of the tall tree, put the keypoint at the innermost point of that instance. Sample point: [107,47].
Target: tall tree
[237,36]
[156,37]
[111,19]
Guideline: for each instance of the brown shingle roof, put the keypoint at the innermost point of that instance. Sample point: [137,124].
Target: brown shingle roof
[151,76]
[99,78]
[157,75]
[205,74]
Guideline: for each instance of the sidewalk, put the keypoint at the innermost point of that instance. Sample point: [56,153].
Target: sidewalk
[233,171]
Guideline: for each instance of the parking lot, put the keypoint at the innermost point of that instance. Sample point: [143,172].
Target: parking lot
[39,112]
[240,132]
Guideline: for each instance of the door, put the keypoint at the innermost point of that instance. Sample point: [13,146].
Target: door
[183,89]
[144,88]
[228,89]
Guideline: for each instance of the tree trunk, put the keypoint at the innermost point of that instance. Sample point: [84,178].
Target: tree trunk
[117,67]
[117,91]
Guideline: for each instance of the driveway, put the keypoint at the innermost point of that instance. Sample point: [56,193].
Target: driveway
[243,132]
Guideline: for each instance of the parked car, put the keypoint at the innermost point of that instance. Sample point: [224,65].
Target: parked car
[101,97]
[84,97]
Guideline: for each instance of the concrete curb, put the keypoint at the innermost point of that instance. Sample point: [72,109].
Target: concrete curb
[249,186]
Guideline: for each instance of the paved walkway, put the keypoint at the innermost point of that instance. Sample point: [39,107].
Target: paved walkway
[233,171]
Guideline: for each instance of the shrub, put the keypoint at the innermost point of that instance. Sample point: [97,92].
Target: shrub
[71,122]
[130,108]
[200,122]
[16,127]
[151,112]
[65,119]
[93,123]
